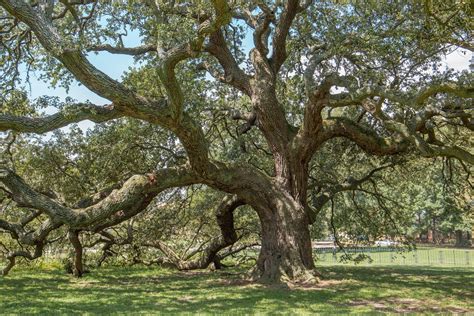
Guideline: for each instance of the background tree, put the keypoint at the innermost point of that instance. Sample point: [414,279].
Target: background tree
[443,205]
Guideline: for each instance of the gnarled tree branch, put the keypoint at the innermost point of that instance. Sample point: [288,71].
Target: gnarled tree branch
[281,32]
[134,196]
[73,114]
[133,51]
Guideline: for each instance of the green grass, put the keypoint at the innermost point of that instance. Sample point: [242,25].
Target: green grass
[345,289]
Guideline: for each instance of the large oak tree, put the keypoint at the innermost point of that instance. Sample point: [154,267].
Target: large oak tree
[316,72]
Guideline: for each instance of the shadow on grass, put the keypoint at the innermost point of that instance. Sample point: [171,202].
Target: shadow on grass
[144,290]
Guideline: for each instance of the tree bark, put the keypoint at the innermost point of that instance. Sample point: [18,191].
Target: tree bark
[78,267]
[286,252]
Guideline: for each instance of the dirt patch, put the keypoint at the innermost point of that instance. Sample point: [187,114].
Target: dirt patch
[192,273]
[83,283]
[233,282]
[244,282]
[320,285]
[185,299]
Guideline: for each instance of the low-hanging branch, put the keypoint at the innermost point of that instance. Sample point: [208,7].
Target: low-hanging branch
[135,195]
[326,193]
[201,258]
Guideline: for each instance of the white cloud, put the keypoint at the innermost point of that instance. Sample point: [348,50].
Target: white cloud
[458,60]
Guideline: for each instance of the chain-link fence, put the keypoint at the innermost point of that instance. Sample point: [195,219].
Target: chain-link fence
[393,256]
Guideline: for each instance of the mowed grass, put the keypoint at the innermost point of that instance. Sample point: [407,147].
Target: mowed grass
[344,289]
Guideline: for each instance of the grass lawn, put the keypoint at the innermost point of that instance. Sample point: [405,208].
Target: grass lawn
[345,289]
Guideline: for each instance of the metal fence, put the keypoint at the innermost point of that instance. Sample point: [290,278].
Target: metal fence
[393,256]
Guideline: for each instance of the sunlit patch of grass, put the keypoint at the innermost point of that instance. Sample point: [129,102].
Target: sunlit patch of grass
[345,289]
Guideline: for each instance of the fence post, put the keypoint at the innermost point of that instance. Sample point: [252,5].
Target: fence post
[467,257]
[440,257]
[416,256]
[429,260]
[454,257]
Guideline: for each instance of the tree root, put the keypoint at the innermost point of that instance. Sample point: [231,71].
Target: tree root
[300,277]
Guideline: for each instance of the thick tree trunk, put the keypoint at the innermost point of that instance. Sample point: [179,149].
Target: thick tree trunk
[286,253]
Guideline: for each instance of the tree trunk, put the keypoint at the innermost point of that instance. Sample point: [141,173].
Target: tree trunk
[78,268]
[286,253]
[462,239]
